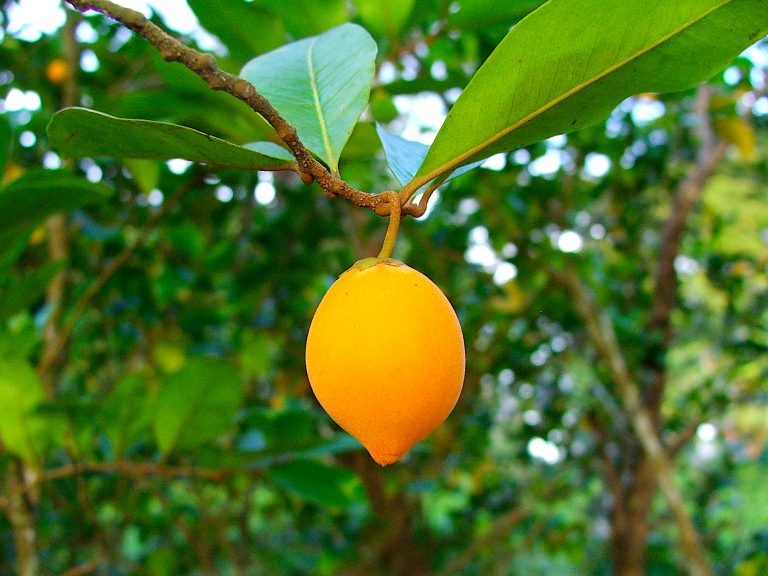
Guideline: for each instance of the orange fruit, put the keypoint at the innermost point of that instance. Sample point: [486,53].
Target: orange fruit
[385,356]
[56,71]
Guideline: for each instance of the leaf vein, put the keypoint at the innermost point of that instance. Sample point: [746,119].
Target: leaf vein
[318,106]
[542,109]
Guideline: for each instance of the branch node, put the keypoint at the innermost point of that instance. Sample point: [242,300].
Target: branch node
[206,62]
[307,178]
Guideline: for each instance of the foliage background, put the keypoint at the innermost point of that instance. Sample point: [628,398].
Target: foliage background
[218,273]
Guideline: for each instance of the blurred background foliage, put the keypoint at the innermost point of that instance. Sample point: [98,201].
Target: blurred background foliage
[177,433]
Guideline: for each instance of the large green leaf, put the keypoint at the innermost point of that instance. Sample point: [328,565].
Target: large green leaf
[484,13]
[77,132]
[316,482]
[566,65]
[384,17]
[39,193]
[24,431]
[196,404]
[320,84]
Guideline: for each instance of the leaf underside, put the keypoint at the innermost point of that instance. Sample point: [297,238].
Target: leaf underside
[78,132]
[405,156]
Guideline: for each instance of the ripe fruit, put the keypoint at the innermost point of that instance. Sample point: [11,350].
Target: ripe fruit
[56,71]
[385,356]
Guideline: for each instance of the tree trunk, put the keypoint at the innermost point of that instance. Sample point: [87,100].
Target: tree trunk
[21,518]
[629,523]
[391,542]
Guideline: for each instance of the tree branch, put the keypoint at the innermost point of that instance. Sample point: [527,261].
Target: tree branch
[603,337]
[684,199]
[501,528]
[205,66]
[665,291]
[87,568]
[678,442]
[55,349]
[141,470]
[21,518]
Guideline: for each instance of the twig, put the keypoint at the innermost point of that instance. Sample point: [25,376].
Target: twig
[502,561]
[418,210]
[56,225]
[22,522]
[685,197]
[678,442]
[205,66]
[603,337]
[665,289]
[500,530]
[394,224]
[141,470]
[82,569]
[52,352]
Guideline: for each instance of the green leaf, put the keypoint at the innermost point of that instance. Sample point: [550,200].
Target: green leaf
[484,13]
[305,18]
[320,84]
[19,338]
[246,28]
[6,139]
[23,291]
[384,17]
[11,249]
[324,485]
[405,156]
[363,143]
[77,132]
[183,98]
[270,149]
[146,173]
[566,65]
[24,431]
[127,412]
[256,353]
[196,404]
[39,193]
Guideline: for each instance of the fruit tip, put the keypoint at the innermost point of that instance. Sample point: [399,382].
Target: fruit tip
[385,459]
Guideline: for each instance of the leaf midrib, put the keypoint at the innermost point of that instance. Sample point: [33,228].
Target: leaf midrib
[416,184]
[318,108]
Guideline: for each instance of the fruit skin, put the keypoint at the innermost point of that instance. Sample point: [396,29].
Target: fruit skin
[385,356]
[56,71]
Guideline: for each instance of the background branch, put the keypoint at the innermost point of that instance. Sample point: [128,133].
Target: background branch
[710,153]
[603,337]
[665,291]
[501,528]
[142,469]
[56,348]
[22,521]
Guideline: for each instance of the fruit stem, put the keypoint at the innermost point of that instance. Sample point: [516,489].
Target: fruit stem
[394,223]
